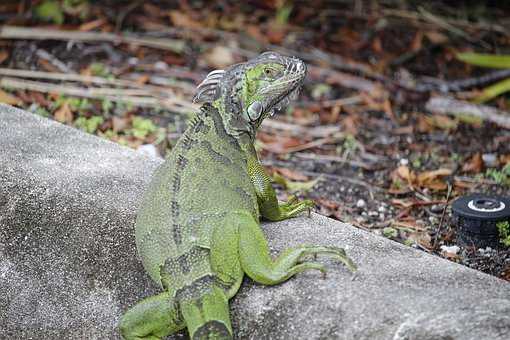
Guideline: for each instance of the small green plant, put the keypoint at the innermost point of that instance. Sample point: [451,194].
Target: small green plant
[501,177]
[142,127]
[89,125]
[80,105]
[106,105]
[504,232]
[349,146]
[51,11]
[100,70]
[492,61]
[417,163]
[390,232]
[41,111]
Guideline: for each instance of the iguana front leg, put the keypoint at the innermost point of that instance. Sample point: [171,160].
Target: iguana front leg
[268,203]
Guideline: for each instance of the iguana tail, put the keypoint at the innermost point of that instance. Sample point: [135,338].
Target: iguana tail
[207,317]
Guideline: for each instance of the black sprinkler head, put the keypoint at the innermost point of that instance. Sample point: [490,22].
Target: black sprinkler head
[476,216]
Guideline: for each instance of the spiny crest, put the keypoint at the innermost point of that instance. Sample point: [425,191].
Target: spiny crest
[207,90]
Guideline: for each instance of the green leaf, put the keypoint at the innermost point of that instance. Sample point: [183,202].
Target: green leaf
[494,90]
[295,186]
[89,125]
[485,60]
[142,127]
[50,10]
[283,13]
[390,232]
[504,232]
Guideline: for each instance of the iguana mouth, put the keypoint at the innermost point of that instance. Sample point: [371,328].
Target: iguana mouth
[292,80]
[285,100]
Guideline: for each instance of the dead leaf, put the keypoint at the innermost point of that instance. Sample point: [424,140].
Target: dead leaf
[3,55]
[417,42]
[474,164]
[152,10]
[463,185]
[291,174]
[405,173]
[181,19]
[64,114]
[8,98]
[327,203]
[119,123]
[143,79]
[254,32]
[92,25]
[432,179]
[428,176]
[504,159]
[47,66]
[276,34]
[422,238]
[436,38]
[377,45]
[219,57]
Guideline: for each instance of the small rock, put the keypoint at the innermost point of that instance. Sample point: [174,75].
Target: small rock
[361,219]
[436,208]
[381,209]
[132,61]
[490,159]
[373,213]
[361,203]
[404,161]
[453,250]
[149,150]
[160,65]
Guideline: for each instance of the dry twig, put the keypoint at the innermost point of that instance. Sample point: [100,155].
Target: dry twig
[447,105]
[26,33]
[111,94]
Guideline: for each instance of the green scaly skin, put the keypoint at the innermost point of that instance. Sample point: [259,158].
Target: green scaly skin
[198,230]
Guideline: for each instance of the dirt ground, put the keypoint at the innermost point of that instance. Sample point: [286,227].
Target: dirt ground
[363,140]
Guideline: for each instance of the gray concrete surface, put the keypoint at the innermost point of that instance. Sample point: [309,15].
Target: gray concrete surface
[68,264]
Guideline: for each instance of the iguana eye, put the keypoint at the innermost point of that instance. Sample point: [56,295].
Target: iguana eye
[269,72]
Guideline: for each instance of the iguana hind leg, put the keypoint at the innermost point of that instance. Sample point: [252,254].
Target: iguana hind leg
[207,317]
[152,318]
[256,261]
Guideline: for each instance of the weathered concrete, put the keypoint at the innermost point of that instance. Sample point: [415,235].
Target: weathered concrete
[68,264]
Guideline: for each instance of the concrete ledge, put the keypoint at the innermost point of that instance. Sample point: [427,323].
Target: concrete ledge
[68,264]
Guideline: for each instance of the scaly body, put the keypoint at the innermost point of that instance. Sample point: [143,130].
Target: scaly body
[198,231]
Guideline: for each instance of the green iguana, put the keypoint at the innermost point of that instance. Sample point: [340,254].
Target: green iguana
[198,230]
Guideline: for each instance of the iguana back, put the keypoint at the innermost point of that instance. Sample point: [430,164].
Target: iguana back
[204,177]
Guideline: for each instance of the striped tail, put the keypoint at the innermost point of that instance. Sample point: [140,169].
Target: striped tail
[207,317]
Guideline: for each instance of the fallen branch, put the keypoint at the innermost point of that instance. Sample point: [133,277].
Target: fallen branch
[344,79]
[447,105]
[27,33]
[301,147]
[111,94]
[335,159]
[463,84]
[149,89]
[299,130]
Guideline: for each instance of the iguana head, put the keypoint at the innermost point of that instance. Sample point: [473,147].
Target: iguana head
[246,93]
